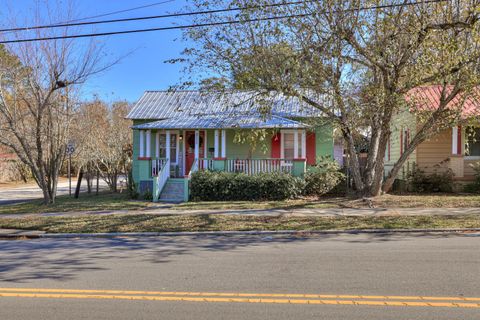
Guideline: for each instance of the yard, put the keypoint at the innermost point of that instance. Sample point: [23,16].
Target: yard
[224,222]
[107,201]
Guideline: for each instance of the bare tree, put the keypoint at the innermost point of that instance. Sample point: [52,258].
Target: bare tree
[353,60]
[104,140]
[38,84]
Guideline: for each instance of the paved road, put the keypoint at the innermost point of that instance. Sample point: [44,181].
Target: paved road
[169,269]
[32,191]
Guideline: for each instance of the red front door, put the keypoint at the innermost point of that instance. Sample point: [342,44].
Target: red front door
[190,148]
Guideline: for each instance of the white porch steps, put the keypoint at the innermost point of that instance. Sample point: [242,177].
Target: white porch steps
[174,191]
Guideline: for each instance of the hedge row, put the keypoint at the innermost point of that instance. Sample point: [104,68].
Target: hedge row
[225,186]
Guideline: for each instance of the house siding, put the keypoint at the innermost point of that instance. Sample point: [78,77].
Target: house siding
[435,152]
[324,146]
[402,121]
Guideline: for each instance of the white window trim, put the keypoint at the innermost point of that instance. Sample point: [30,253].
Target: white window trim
[177,132]
[302,144]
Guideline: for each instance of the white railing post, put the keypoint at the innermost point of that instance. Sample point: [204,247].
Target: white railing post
[141,152]
[167,144]
[197,144]
[215,143]
[148,146]
[224,144]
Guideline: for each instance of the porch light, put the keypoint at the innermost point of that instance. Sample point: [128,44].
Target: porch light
[180,137]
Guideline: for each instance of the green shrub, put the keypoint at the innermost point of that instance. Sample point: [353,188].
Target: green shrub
[419,181]
[224,186]
[323,177]
[474,187]
[148,195]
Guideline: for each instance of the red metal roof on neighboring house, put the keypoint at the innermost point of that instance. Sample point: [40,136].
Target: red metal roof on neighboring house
[6,156]
[428,98]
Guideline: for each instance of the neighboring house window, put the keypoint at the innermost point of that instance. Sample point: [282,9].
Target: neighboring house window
[473,142]
[288,145]
[173,147]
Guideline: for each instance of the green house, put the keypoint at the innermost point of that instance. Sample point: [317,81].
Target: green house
[178,133]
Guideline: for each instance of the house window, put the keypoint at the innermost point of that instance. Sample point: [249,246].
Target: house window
[173,147]
[288,145]
[473,142]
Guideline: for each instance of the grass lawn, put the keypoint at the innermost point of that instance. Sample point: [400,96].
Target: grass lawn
[384,201]
[206,222]
[107,201]
[86,202]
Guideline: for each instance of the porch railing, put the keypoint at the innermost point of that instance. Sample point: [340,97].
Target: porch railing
[205,164]
[163,176]
[194,167]
[157,165]
[254,166]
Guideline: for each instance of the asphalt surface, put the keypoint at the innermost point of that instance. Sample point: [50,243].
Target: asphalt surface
[433,265]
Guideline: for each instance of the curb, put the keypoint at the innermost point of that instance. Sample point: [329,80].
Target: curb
[229,233]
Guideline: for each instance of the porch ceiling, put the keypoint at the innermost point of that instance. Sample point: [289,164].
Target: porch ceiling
[226,121]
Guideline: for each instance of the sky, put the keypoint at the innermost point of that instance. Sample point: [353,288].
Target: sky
[142,66]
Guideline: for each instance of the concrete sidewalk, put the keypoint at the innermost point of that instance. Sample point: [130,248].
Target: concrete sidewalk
[329,212]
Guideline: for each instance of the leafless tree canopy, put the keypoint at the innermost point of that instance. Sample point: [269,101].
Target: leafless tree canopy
[39,86]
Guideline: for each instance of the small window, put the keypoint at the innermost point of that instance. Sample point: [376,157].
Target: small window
[288,145]
[473,141]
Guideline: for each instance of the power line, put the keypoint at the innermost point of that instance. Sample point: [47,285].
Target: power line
[120,11]
[201,25]
[58,24]
[173,15]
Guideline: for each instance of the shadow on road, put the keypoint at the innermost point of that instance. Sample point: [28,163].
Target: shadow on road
[64,259]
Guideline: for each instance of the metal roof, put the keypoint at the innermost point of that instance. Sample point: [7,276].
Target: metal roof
[222,121]
[179,104]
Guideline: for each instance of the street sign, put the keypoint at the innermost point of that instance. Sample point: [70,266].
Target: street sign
[70,148]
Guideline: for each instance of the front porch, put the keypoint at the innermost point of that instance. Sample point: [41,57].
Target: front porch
[212,149]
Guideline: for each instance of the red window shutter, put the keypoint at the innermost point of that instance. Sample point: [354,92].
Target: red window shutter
[459,140]
[276,145]
[311,148]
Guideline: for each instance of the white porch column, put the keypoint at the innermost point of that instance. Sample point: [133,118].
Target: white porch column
[157,145]
[295,144]
[149,143]
[215,145]
[224,144]
[167,145]
[304,144]
[197,144]
[455,134]
[141,152]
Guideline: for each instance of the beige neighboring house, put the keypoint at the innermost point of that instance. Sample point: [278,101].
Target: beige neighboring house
[455,148]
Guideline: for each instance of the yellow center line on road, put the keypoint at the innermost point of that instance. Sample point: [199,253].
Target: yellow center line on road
[243,300]
[239,294]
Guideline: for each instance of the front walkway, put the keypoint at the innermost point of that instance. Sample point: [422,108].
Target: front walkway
[331,212]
